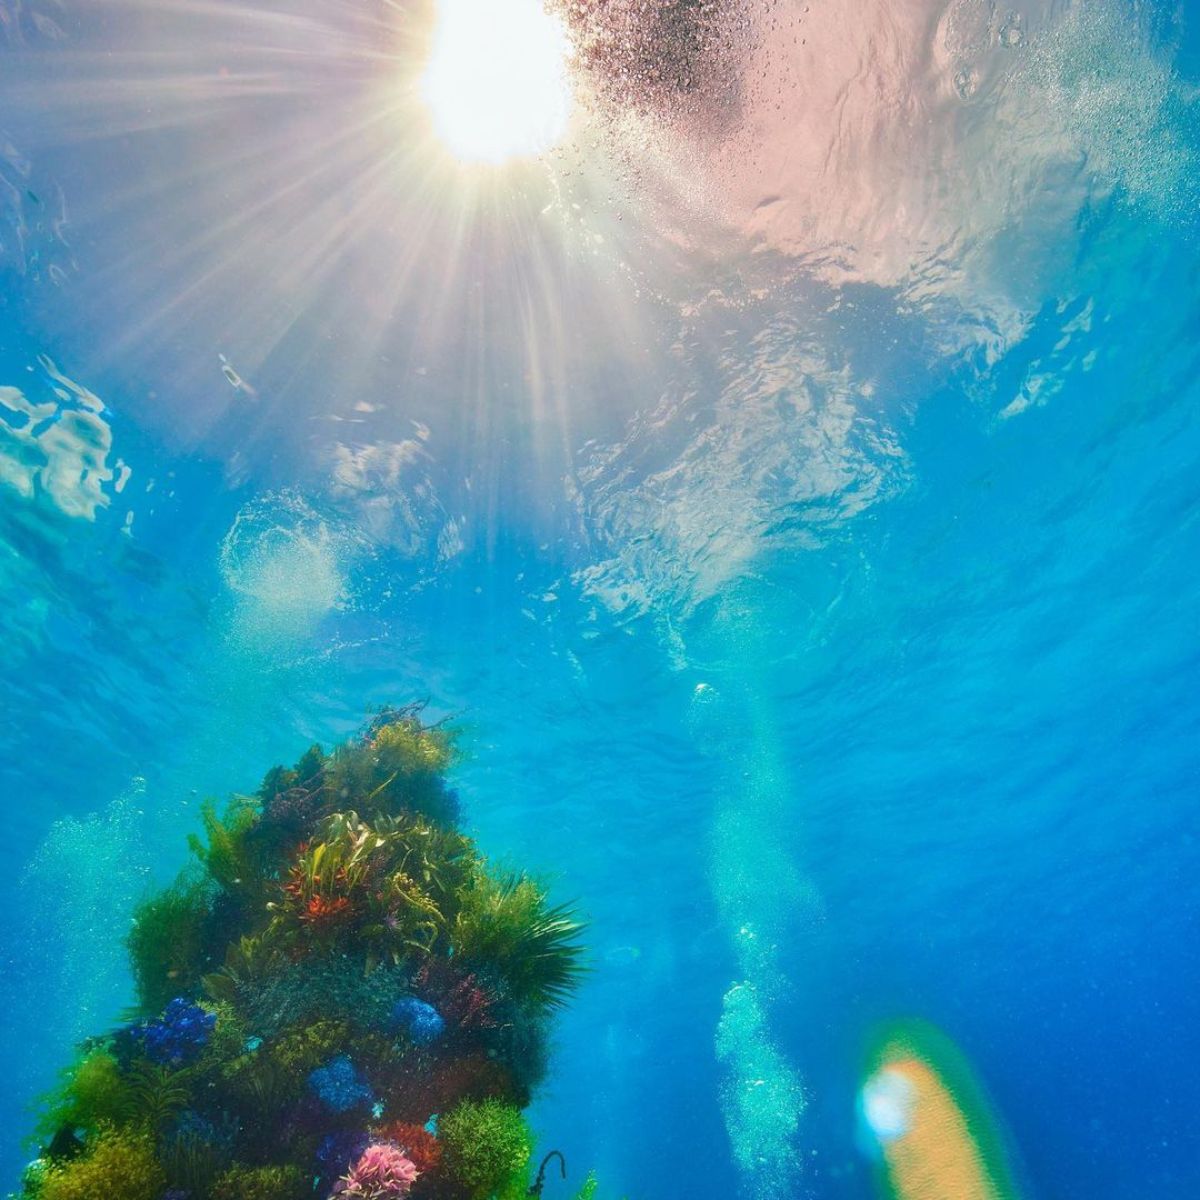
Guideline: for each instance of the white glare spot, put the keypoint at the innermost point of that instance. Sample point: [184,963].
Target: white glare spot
[496,84]
[887,1104]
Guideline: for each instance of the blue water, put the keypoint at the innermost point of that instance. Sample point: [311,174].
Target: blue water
[817,594]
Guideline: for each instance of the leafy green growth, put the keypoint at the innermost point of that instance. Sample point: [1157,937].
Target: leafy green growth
[306,773]
[168,941]
[93,1094]
[486,1145]
[249,962]
[507,925]
[34,1176]
[590,1186]
[156,1094]
[399,766]
[192,1162]
[241,1182]
[301,1050]
[116,1164]
[388,886]
[228,852]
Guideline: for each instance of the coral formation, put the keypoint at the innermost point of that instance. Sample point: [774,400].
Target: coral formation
[382,1172]
[422,1022]
[339,998]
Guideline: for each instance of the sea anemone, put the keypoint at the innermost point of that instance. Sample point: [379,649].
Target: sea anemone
[382,1172]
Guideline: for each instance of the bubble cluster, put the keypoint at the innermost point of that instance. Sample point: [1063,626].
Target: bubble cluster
[664,58]
[76,895]
[762,1097]
[286,567]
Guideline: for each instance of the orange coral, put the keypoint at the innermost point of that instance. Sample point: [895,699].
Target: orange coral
[325,910]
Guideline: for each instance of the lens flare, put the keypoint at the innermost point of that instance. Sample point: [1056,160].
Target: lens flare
[496,84]
[930,1121]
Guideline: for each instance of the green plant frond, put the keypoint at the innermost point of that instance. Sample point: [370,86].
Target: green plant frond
[155,1095]
[169,941]
[116,1164]
[241,1182]
[487,1145]
[227,851]
[590,1187]
[91,1093]
[397,766]
[248,961]
[192,1162]
[507,925]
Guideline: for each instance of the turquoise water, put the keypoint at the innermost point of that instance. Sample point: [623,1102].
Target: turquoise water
[789,487]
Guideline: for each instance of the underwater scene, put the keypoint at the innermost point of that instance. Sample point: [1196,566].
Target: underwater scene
[600,599]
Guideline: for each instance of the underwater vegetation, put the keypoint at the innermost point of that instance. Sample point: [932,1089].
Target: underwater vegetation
[932,1124]
[339,997]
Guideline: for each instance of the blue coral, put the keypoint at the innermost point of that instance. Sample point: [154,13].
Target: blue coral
[339,1086]
[178,1035]
[422,1022]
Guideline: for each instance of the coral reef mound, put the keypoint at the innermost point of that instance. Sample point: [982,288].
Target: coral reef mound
[337,998]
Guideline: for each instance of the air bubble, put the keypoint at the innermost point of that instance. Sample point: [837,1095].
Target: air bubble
[1012,32]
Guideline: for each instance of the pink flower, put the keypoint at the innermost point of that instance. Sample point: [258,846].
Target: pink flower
[383,1172]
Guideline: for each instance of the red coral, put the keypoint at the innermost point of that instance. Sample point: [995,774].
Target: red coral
[417,1142]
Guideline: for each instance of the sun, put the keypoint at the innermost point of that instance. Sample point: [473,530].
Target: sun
[497,83]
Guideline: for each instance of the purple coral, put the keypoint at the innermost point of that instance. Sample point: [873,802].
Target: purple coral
[383,1172]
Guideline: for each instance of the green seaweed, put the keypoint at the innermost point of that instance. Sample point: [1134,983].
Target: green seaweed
[94,1093]
[155,1095]
[193,1162]
[242,1182]
[486,1145]
[591,1185]
[116,1163]
[228,853]
[387,886]
[169,941]
[398,767]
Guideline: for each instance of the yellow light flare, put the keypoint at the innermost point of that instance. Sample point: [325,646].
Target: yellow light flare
[496,84]
[931,1121]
